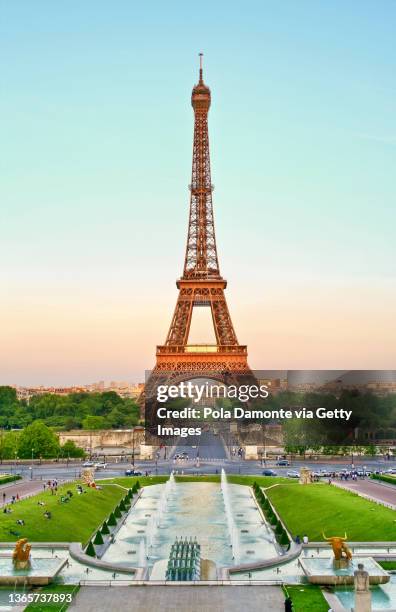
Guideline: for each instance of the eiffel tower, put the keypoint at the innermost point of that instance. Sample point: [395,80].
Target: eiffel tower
[201,284]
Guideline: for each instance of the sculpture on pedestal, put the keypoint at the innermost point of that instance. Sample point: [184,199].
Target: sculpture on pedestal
[21,554]
[342,554]
[305,476]
[362,590]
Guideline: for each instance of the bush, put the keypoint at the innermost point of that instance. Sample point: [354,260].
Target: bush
[284,539]
[90,550]
[117,512]
[122,506]
[9,478]
[137,485]
[105,530]
[384,478]
[279,528]
[98,538]
[112,520]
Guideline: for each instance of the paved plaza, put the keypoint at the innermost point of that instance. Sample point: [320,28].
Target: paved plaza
[188,598]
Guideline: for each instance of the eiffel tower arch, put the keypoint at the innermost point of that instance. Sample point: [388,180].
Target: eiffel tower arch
[201,284]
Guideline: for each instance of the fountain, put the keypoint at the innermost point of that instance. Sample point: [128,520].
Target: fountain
[232,528]
[20,569]
[154,522]
[142,555]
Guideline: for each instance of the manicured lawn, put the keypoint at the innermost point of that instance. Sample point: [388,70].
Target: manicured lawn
[307,598]
[388,565]
[129,481]
[52,606]
[74,521]
[314,508]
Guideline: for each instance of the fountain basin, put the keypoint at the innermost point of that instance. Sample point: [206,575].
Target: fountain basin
[320,570]
[41,571]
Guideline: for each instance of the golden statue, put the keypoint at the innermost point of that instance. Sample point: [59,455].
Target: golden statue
[88,478]
[342,554]
[305,476]
[21,554]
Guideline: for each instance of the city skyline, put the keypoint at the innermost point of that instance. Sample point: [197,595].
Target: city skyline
[302,143]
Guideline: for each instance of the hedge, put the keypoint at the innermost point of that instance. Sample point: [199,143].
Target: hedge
[9,478]
[384,478]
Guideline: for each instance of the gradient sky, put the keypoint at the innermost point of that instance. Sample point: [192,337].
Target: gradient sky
[95,160]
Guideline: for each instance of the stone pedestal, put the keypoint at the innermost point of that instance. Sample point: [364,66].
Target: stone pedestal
[21,565]
[340,563]
[146,451]
[362,601]
[251,453]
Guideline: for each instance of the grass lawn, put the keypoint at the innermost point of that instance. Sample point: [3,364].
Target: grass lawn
[52,606]
[388,565]
[307,598]
[314,508]
[74,521]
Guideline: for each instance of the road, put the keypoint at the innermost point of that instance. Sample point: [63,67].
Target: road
[375,490]
[209,446]
[212,455]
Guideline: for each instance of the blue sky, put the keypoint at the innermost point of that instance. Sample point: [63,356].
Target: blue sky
[96,128]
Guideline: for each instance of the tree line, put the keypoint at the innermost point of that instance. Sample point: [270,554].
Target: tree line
[64,412]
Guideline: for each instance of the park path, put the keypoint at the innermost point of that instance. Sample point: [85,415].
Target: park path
[186,598]
[373,489]
[24,488]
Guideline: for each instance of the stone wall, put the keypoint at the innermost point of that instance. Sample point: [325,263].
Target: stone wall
[96,439]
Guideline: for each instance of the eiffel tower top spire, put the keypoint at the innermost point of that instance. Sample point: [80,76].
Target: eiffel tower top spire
[201,261]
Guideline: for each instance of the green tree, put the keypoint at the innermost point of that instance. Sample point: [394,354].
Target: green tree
[39,440]
[9,442]
[70,449]
[94,422]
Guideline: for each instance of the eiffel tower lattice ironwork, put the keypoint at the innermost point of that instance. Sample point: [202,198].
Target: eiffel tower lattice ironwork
[201,284]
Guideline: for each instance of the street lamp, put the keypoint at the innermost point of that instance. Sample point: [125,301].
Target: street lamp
[32,455]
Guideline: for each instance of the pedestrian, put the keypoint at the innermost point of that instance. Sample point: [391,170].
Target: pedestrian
[4,498]
[305,539]
[298,539]
[44,485]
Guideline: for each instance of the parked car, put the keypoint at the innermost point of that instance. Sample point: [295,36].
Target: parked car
[88,464]
[269,473]
[283,462]
[133,473]
[100,465]
[293,474]
[325,473]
